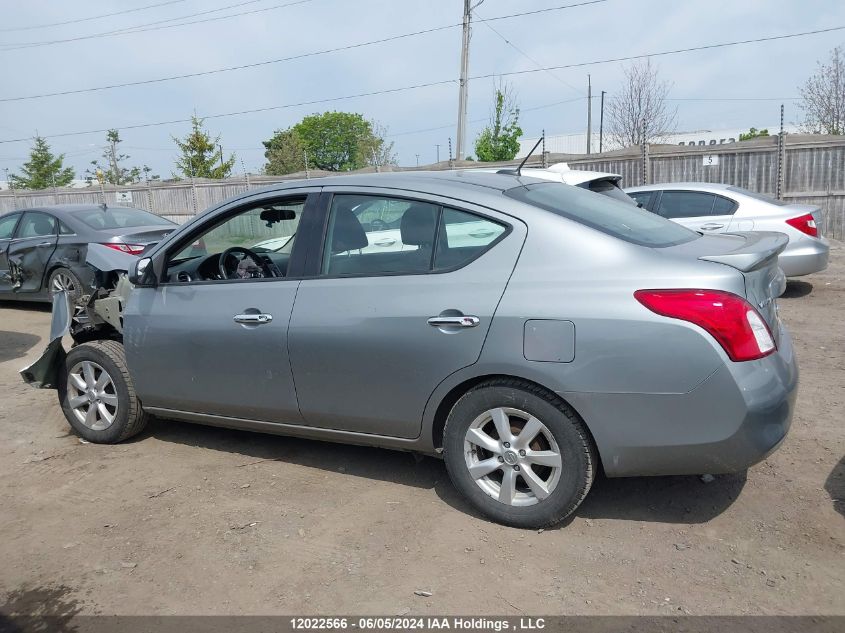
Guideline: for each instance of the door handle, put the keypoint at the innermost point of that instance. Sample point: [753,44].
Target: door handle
[43,244]
[453,321]
[253,319]
[711,226]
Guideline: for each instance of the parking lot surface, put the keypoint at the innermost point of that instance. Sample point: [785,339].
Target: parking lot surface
[186,519]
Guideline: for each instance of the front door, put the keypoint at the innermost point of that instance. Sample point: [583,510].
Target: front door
[211,338]
[378,329]
[31,249]
[7,231]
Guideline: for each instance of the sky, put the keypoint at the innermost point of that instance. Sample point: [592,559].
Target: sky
[554,101]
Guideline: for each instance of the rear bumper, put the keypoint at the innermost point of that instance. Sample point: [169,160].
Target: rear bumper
[735,418]
[804,257]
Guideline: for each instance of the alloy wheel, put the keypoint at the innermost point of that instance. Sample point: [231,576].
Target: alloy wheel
[92,396]
[62,281]
[512,456]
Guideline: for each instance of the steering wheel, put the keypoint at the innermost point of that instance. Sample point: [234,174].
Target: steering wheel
[378,225]
[245,252]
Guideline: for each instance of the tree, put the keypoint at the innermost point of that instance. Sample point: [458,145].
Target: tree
[500,139]
[285,153]
[113,172]
[753,133]
[823,96]
[375,149]
[201,156]
[43,169]
[335,140]
[638,113]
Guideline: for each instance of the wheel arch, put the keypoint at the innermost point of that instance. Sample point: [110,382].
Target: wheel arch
[441,412]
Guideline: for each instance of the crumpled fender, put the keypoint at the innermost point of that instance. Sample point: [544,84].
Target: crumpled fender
[44,373]
[107,259]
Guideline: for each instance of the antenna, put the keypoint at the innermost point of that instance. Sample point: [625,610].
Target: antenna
[528,155]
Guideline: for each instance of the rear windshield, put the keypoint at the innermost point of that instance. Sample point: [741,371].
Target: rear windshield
[625,221]
[119,218]
[758,196]
[609,189]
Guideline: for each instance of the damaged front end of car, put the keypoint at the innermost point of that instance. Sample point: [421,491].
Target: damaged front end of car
[95,316]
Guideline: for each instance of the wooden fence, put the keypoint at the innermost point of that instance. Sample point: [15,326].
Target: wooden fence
[809,168]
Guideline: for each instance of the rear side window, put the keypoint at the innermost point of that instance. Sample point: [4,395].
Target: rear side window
[7,225]
[36,224]
[375,235]
[685,204]
[624,221]
[724,206]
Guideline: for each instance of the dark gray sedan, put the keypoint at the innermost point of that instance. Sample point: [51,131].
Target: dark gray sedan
[43,250]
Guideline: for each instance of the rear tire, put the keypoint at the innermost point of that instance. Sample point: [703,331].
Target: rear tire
[65,279]
[533,474]
[97,395]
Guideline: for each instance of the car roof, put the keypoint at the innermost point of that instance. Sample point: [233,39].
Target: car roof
[62,209]
[415,179]
[687,186]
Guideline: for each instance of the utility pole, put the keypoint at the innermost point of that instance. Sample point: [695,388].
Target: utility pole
[418,159]
[113,152]
[601,121]
[589,115]
[437,146]
[222,166]
[12,187]
[462,93]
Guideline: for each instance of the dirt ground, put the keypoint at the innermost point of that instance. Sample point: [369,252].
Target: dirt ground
[186,519]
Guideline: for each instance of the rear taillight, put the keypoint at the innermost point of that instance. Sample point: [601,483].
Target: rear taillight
[132,249]
[805,223]
[727,317]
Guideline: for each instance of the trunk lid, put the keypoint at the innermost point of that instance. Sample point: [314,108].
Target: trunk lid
[139,234]
[755,255]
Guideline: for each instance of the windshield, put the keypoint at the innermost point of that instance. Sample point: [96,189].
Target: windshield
[119,218]
[758,196]
[625,221]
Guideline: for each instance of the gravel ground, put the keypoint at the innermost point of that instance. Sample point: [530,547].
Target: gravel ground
[186,519]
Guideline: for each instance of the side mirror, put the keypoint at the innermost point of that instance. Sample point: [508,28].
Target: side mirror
[141,273]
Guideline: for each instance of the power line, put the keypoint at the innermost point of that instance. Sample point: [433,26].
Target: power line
[88,19]
[241,112]
[233,68]
[446,81]
[282,59]
[662,53]
[151,26]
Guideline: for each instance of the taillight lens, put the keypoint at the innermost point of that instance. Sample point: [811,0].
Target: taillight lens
[132,249]
[805,223]
[727,317]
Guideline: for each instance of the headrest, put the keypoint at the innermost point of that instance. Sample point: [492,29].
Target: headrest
[418,224]
[347,234]
[42,226]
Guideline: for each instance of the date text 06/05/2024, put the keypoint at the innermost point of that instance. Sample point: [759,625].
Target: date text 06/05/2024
[405,623]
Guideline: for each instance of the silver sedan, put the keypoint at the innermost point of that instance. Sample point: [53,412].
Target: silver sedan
[530,333]
[718,208]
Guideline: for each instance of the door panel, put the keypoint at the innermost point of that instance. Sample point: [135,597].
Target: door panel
[187,352]
[213,340]
[365,357]
[30,251]
[7,231]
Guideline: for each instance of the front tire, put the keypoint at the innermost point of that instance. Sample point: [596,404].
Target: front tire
[97,395]
[519,454]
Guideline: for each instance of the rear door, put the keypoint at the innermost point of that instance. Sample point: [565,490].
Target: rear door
[372,334]
[697,210]
[7,231]
[31,249]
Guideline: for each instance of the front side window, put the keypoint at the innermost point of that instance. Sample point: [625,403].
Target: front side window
[254,243]
[620,220]
[7,225]
[685,204]
[374,235]
[36,224]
